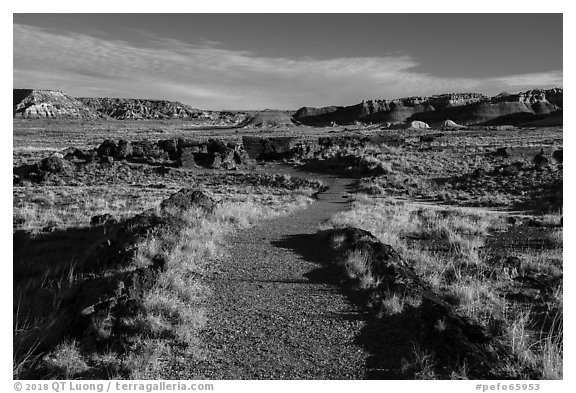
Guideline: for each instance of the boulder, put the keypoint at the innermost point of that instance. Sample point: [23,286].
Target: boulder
[501,152]
[188,198]
[146,149]
[558,156]
[183,143]
[107,148]
[170,146]
[216,146]
[540,160]
[80,154]
[52,164]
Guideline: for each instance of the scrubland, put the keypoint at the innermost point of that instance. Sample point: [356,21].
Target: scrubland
[480,228]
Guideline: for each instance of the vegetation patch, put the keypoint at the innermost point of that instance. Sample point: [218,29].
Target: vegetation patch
[475,305]
[123,296]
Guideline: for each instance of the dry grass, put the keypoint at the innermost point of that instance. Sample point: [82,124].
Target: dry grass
[173,309]
[37,208]
[448,249]
[420,364]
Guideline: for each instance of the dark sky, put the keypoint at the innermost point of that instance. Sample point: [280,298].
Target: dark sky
[245,61]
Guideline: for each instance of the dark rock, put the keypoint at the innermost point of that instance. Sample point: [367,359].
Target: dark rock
[52,164]
[192,145]
[80,154]
[170,146]
[540,160]
[102,219]
[269,148]
[216,146]
[501,152]
[107,148]
[146,149]
[558,156]
[189,198]
[162,170]
[478,173]
[512,220]
[427,138]
[382,256]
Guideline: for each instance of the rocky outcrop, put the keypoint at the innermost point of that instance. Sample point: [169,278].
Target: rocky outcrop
[464,108]
[384,111]
[496,113]
[129,108]
[48,167]
[163,154]
[269,119]
[262,148]
[39,104]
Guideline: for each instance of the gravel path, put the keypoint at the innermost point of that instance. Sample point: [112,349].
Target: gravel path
[275,311]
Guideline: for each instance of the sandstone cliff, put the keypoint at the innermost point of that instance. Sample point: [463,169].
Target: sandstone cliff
[465,108]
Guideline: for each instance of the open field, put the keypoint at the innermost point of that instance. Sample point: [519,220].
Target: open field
[116,277]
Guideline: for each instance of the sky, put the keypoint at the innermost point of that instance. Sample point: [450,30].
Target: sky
[285,61]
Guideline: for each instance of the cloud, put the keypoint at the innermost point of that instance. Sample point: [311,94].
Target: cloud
[206,75]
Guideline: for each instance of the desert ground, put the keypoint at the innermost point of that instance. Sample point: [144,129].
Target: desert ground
[167,249]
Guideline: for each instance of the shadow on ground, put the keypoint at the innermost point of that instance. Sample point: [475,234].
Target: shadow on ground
[387,340]
[423,340]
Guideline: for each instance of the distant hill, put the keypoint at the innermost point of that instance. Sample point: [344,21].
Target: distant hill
[464,108]
[34,104]
[269,118]
[537,106]
[131,108]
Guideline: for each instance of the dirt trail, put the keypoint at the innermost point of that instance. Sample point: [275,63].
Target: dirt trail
[275,312]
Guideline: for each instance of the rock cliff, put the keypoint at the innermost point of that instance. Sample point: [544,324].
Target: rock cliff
[464,108]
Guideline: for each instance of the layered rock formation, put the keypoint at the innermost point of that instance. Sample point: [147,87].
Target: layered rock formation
[269,118]
[464,108]
[34,104]
[129,108]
